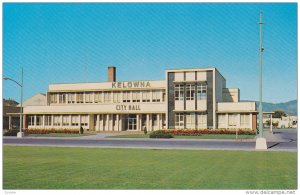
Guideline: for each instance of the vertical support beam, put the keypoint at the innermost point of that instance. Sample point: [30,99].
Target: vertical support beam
[121,122]
[101,118]
[158,121]
[43,121]
[24,122]
[118,122]
[97,123]
[138,127]
[34,120]
[9,122]
[147,123]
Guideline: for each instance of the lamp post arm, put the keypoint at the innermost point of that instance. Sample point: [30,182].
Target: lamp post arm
[6,78]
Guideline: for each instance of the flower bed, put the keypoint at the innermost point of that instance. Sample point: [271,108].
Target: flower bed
[47,131]
[210,131]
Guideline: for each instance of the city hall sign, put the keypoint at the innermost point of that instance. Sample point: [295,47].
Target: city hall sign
[134,84]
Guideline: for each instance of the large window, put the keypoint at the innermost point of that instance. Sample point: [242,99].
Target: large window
[74,120]
[47,120]
[89,97]
[245,120]
[201,120]
[79,98]
[107,97]
[154,120]
[201,91]
[190,120]
[179,92]
[221,120]
[53,98]
[62,98]
[39,120]
[179,120]
[145,96]
[136,96]
[71,98]
[126,96]
[84,120]
[56,120]
[116,97]
[156,95]
[65,120]
[232,120]
[30,121]
[190,92]
[98,97]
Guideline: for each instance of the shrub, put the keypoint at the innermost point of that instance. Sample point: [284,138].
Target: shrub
[160,134]
[47,131]
[11,132]
[145,131]
[210,131]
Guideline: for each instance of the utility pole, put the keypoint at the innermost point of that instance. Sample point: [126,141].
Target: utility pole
[261,143]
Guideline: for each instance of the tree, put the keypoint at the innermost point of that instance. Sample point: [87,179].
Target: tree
[278,113]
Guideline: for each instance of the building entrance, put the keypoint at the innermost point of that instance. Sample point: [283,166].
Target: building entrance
[131,122]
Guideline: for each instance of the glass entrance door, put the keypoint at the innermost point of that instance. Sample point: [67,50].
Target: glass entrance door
[131,122]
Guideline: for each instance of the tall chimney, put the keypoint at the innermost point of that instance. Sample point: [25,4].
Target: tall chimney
[111,74]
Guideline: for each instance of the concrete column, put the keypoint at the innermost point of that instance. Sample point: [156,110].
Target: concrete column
[159,122]
[52,120]
[97,123]
[150,122]
[24,122]
[138,127]
[101,119]
[107,122]
[9,122]
[147,123]
[118,122]
[121,122]
[91,122]
[43,121]
[34,120]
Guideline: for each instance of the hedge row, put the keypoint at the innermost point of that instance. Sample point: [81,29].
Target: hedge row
[206,131]
[160,134]
[43,131]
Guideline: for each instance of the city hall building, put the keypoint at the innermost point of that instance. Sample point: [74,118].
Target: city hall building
[187,99]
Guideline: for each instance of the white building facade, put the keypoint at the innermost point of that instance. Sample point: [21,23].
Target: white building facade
[186,99]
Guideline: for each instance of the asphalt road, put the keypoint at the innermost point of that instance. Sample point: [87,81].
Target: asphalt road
[282,140]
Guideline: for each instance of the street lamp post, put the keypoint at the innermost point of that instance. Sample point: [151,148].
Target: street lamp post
[20,134]
[261,143]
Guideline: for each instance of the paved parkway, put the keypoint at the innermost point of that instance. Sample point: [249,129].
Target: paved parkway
[276,142]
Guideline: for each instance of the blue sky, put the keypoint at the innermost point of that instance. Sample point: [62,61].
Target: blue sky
[64,43]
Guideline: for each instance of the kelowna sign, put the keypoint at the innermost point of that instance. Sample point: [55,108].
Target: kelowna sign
[134,84]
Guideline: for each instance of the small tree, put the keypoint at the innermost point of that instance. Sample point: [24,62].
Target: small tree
[279,113]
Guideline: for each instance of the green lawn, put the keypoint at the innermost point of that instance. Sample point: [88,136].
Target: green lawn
[95,168]
[208,136]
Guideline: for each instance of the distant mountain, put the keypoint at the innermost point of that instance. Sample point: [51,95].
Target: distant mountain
[288,107]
